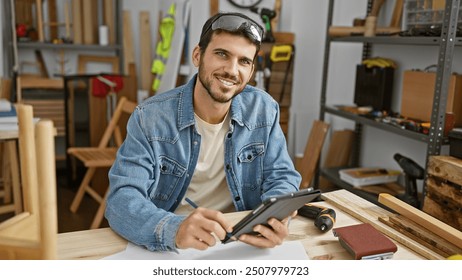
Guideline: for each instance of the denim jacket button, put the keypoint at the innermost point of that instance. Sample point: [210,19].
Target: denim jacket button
[237,198]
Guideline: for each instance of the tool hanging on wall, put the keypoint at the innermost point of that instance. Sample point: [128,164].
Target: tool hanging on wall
[266,16]
[278,54]
[290,56]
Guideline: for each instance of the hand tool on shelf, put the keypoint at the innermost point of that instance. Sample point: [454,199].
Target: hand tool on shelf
[324,218]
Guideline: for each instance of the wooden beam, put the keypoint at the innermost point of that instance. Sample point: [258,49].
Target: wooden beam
[397,13]
[339,152]
[145,51]
[214,7]
[108,6]
[39,20]
[52,17]
[129,52]
[77,21]
[434,225]
[88,24]
[312,151]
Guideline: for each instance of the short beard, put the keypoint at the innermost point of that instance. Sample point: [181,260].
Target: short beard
[207,84]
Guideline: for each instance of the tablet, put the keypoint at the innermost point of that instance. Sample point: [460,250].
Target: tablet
[278,207]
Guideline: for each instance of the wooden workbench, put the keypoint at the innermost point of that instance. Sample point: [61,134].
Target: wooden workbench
[350,209]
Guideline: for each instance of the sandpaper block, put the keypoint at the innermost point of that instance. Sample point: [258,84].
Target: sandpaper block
[363,241]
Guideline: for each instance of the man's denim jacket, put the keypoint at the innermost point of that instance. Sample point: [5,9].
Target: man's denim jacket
[155,163]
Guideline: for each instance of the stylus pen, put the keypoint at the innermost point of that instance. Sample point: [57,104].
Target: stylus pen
[194,205]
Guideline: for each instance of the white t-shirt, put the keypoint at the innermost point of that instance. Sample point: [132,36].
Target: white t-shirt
[208,187]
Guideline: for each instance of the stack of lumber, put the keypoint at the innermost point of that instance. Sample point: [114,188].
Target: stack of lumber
[428,231]
[443,199]
[400,227]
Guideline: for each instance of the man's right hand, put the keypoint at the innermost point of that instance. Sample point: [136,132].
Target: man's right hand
[199,229]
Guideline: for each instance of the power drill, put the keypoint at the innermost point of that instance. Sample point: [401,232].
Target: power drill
[266,16]
[324,218]
[412,172]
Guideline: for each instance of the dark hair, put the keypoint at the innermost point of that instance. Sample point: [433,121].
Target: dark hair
[242,30]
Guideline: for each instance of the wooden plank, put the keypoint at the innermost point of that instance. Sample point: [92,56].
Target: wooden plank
[77,21]
[441,208]
[284,37]
[41,63]
[145,51]
[446,167]
[434,225]
[67,21]
[391,188]
[108,19]
[422,235]
[397,14]
[23,11]
[443,199]
[338,153]
[366,212]
[275,20]
[52,18]
[129,52]
[214,7]
[312,151]
[89,36]
[39,11]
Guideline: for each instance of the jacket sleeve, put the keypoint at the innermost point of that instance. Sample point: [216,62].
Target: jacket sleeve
[280,175]
[129,210]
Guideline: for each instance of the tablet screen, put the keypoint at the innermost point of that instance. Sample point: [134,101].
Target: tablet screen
[278,207]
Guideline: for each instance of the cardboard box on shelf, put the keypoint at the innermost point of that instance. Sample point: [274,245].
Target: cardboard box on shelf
[418,91]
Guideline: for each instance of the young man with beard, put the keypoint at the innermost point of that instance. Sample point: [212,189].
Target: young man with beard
[215,140]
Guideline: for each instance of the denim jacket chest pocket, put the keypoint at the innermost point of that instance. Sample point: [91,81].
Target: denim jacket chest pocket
[250,162]
[171,173]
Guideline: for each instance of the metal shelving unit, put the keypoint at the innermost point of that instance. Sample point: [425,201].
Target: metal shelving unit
[435,139]
[116,48]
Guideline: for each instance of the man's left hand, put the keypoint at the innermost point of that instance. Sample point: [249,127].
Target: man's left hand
[268,236]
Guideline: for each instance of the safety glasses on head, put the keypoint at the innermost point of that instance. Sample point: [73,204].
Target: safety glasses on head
[236,22]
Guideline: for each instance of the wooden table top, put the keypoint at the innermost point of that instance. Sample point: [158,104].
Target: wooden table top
[350,209]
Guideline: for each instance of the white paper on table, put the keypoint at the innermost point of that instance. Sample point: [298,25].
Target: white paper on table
[289,250]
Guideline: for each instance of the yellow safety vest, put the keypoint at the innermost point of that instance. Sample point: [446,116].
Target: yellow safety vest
[166,30]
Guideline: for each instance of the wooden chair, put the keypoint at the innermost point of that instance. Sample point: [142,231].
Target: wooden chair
[101,156]
[47,108]
[33,234]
